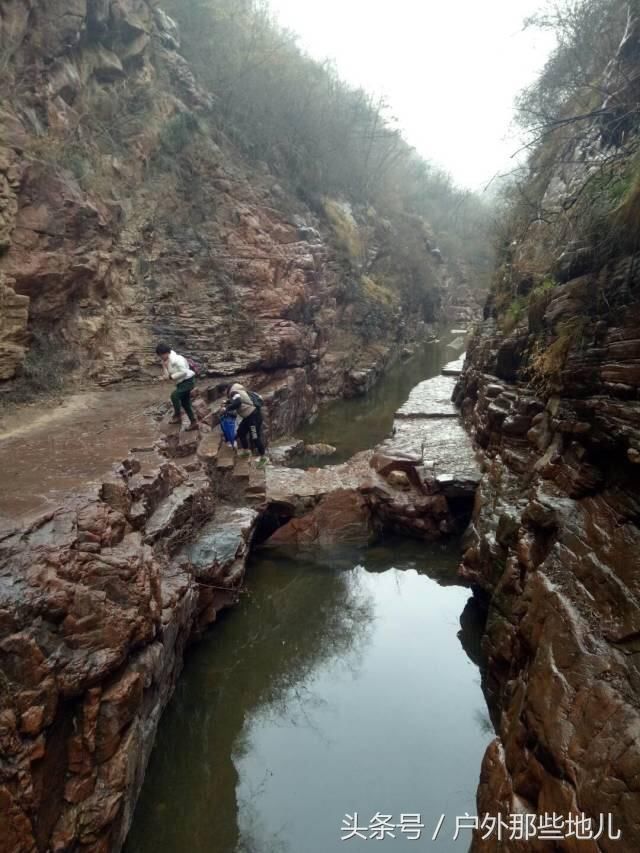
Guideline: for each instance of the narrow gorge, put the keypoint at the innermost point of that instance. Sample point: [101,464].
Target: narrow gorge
[102,596]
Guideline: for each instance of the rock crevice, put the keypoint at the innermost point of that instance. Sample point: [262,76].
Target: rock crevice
[553,543]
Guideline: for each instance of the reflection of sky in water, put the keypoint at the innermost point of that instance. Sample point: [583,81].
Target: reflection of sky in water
[362,422]
[329,689]
[394,727]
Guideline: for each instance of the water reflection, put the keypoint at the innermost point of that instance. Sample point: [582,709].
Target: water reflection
[338,684]
[363,422]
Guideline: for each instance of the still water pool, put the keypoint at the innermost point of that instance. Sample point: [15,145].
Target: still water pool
[362,422]
[342,683]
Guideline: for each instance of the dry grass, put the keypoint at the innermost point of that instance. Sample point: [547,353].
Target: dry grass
[345,229]
[549,360]
[513,314]
[377,291]
[47,366]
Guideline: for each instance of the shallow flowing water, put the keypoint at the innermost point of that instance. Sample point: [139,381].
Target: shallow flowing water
[340,684]
[362,422]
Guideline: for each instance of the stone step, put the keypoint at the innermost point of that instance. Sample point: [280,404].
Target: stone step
[209,446]
[143,485]
[181,444]
[242,470]
[257,478]
[226,458]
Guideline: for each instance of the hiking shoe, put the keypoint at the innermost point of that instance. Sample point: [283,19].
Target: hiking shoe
[244,454]
[192,427]
[175,420]
[262,463]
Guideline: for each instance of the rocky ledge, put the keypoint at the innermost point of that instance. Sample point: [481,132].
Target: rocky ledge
[554,545]
[97,603]
[421,481]
[99,600]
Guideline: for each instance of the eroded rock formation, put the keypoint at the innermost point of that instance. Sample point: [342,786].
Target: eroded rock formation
[554,544]
[126,217]
[98,602]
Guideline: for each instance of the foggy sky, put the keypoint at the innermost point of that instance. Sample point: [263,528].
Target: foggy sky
[450,70]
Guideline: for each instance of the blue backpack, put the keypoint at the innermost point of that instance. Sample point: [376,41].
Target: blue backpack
[228,427]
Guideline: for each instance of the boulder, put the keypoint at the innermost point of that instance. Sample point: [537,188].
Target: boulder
[343,517]
[169,31]
[320,449]
[102,64]
[399,479]
[285,450]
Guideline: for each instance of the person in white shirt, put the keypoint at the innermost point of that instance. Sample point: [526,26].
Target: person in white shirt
[176,368]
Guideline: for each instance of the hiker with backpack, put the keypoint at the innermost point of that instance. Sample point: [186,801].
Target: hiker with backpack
[248,406]
[177,368]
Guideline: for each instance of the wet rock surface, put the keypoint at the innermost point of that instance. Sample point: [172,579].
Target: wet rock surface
[553,544]
[420,481]
[99,600]
[454,368]
[430,399]
[97,604]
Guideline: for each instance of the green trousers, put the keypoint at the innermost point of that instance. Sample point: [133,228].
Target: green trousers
[182,397]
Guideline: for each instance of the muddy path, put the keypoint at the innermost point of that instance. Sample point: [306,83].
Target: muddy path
[52,451]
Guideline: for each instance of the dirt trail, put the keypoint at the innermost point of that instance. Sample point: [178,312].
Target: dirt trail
[50,452]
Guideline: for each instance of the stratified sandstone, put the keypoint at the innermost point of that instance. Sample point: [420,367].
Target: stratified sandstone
[550,394]
[126,216]
[14,313]
[554,543]
[97,604]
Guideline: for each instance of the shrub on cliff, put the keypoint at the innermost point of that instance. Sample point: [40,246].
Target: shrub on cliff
[576,205]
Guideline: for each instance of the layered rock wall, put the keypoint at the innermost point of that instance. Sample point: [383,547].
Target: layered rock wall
[554,545]
[127,217]
[97,604]
[550,394]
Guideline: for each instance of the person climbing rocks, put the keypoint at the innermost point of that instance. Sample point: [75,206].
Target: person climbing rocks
[247,405]
[176,368]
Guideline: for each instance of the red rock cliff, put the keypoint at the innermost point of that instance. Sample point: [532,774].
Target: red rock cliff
[550,393]
[127,217]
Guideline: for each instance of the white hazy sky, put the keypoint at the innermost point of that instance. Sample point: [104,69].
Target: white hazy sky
[450,69]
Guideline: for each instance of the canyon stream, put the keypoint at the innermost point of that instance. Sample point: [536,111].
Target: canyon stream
[344,683]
